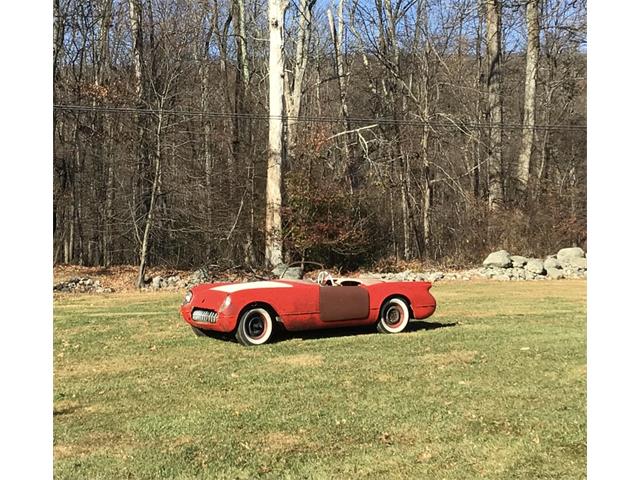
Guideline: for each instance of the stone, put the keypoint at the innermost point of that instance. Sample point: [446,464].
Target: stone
[566,254]
[576,263]
[555,273]
[436,276]
[199,276]
[283,270]
[535,266]
[156,282]
[551,262]
[293,273]
[499,259]
[518,273]
[279,270]
[518,261]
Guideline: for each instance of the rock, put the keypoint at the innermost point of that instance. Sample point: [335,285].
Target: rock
[567,254]
[575,263]
[555,273]
[579,263]
[436,276]
[518,273]
[156,282]
[279,269]
[199,276]
[551,262]
[535,266]
[291,273]
[518,261]
[499,259]
[81,285]
[402,276]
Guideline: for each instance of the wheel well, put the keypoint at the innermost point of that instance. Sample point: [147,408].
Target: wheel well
[251,305]
[401,297]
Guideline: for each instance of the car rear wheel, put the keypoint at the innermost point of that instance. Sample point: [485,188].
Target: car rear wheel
[254,327]
[394,316]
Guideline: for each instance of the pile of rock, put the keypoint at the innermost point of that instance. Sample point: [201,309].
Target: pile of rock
[567,263]
[501,265]
[157,282]
[409,276]
[175,282]
[81,285]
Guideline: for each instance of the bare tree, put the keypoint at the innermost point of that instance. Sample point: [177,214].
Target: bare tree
[531,77]
[295,88]
[337,34]
[273,226]
[494,90]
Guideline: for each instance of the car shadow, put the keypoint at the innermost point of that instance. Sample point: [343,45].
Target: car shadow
[413,326]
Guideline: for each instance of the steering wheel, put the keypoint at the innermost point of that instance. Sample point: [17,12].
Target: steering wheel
[325,278]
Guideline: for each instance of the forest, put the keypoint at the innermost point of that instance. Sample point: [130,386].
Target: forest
[347,132]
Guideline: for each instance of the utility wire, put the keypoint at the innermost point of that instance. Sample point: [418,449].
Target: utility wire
[314,119]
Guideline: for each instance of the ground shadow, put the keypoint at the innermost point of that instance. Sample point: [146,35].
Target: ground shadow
[281,335]
[413,326]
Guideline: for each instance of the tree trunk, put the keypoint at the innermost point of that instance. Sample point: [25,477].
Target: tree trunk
[58,36]
[494,89]
[477,174]
[144,249]
[531,74]
[202,54]
[428,188]
[135,20]
[103,125]
[294,98]
[337,36]
[404,196]
[273,224]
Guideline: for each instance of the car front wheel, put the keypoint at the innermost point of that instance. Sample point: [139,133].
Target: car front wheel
[394,316]
[254,327]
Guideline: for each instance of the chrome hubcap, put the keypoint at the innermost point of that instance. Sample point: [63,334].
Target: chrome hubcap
[255,326]
[393,316]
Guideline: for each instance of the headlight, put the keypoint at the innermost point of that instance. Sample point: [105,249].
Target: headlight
[226,303]
[187,297]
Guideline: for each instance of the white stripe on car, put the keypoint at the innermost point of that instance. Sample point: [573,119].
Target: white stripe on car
[249,286]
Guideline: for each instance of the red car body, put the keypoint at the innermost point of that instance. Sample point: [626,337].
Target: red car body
[303,305]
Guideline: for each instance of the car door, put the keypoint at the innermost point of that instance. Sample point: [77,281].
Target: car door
[338,303]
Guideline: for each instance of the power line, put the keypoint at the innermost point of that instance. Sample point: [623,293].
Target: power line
[314,119]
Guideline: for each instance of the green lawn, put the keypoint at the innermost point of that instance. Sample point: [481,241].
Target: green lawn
[493,386]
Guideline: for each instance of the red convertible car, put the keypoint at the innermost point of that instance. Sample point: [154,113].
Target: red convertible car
[251,309]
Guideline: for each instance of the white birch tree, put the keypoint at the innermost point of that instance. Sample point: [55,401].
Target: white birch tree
[273,223]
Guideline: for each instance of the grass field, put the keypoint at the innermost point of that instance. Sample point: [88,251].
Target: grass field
[493,386]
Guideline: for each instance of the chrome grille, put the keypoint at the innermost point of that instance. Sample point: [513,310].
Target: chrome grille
[205,316]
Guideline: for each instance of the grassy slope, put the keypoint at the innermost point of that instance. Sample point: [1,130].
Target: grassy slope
[499,394]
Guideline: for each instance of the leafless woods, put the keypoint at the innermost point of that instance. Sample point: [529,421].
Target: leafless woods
[243,131]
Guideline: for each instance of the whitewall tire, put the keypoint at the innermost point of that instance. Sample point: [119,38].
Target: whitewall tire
[394,316]
[255,327]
